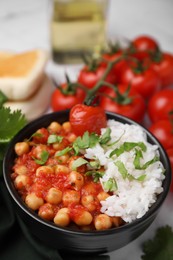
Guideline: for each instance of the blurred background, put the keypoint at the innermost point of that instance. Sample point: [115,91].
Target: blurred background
[26,24]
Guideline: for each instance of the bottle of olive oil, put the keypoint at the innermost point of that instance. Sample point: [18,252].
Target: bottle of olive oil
[78,27]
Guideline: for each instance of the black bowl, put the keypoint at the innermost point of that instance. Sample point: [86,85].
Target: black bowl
[66,238]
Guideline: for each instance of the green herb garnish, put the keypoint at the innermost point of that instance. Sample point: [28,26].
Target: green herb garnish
[11,123]
[160,247]
[54,139]
[95,174]
[110,185]
[86,141]
[94,164]
[44,156]
[63,152]
[127,147]
[137,164]
[78,162]
[122,169]
[3,98]
[106,137]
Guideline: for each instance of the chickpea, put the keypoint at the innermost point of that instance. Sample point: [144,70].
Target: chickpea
[67,127]
[88,188]
[63,158]
[21,181]
[83,219]
[89,202]
[62,217]
[37,151]
[76,180]
[70,196]
[54,127]
[21,169]
[102,195]
[54,196]
[21,148]
[117,221]
[71,137]
[33,201]
[59,146]
[61,169]
[46,211]
[102,222]
[44,169]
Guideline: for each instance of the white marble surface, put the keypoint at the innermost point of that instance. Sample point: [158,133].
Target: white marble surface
[24,25]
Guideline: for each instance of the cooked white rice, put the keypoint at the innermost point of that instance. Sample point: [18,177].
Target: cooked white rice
[132,198]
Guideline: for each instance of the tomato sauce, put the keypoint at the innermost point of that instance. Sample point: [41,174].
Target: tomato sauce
[45,179]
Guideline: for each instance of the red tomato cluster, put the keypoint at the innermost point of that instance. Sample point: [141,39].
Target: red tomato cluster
[132,81]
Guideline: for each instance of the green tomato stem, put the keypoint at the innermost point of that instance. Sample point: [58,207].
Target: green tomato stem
[92,92]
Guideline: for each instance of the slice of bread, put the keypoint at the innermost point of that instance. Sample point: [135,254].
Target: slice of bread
[37,104]
[21,74]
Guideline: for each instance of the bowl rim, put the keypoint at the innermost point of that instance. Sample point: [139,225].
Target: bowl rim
[17,199]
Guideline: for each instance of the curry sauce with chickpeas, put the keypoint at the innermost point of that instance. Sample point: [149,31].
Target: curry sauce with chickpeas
[51,177]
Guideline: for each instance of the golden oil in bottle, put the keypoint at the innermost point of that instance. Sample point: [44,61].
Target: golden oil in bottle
[78,27]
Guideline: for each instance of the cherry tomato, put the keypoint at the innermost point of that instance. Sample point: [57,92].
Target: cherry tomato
[89,77]
[142,56]
[132,105]
[164,68]
[145,43]
[87,118]
[144,81]
[170,156]
[162,130]
[160,104]
[60,101]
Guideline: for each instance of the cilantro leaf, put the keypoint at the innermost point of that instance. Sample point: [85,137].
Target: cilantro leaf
[54,139]
[141,177]
[95,164]
[122,169]
[44,157]
[106,137]
[160,247]
[78,162]
[136,162]
[3,98]
[96,175]
[85,141]
[63,152]
[110,185]
[127,147]
[11,123]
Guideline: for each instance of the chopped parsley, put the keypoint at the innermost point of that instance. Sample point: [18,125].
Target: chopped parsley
[110,185]
[121,168]
[85,141]
[160,247]
[54,139]
[78,162]
[138,156]
[63,152]
[95,174]
[106,137]
[44,156]
[11,124]
[127,147]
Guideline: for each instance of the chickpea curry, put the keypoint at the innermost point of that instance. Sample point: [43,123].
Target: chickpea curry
[53,179]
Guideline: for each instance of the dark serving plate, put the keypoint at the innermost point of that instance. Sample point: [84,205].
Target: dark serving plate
[76,241]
